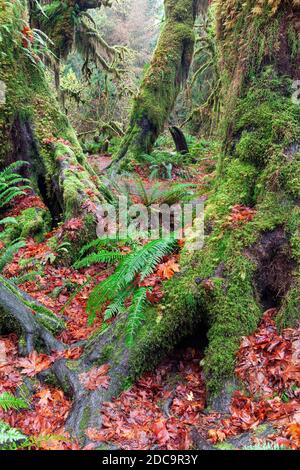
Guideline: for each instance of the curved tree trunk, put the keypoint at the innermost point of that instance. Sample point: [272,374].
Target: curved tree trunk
[168,70]
[33,128]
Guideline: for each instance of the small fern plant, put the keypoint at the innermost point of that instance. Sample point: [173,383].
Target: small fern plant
[12,184]
[7,252]
[121,285]
[9,435]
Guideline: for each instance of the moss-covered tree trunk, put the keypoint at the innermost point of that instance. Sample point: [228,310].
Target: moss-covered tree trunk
[245,266]
[167,72]
[33,128]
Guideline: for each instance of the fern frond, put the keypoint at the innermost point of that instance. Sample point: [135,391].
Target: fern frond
[117,306]
[28,277]
[103,256]
[11,183]
[9,435]
[135,314]
[10,402]
[176,193]
[156,250]
[142,261]
[102,242]
[9,252]
[12,168]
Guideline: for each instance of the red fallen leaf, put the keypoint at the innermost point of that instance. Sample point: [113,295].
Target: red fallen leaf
[281,441]
[73,353]
[240,214]
[96,377]
[155,295]
[216,435]
[168,269]
[160,431]
[73,224]
[34,363]
[44,396]
[294,432]
[96,435]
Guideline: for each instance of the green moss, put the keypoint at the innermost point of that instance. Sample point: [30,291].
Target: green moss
[31,105]
[85,419]
[290,176]
[265,118]
[224,446]
[34,222]
[289,315]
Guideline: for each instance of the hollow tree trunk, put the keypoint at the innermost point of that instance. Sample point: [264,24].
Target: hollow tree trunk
[168,70]
[244,267]
[33,128]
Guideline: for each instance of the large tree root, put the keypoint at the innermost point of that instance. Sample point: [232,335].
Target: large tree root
[108,347]
[85,412]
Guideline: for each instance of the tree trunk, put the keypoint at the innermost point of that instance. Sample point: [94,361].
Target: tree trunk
[33,128]
[168,70]
[245,266]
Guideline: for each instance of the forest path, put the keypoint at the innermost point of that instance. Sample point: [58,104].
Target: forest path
[129,184]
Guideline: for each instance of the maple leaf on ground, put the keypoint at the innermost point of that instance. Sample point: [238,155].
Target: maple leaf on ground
[215,435]
[160,430]
[294,432]
[34,363]
[168,269]
[96,435]
[72,353]
[96,377]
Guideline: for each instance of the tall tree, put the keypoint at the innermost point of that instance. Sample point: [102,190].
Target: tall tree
[168,70]
[32,126]
[249,263]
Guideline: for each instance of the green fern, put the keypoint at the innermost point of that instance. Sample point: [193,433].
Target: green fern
[9,435]
[176,193]
[10,182]
[141,262]
[104,256]
[116,307]
[7,254]
[10,402]
[27,277]
[135,314]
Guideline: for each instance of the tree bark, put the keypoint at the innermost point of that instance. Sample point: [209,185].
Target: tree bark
[168,71]
[33,128]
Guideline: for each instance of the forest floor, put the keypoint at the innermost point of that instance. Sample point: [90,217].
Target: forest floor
[165,409]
